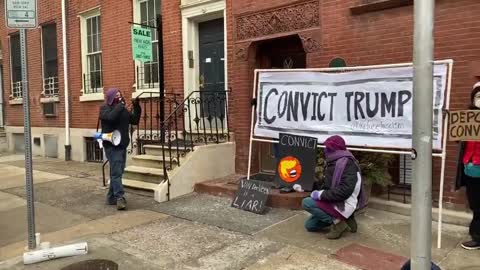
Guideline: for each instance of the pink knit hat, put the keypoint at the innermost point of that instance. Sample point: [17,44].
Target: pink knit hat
[335,143]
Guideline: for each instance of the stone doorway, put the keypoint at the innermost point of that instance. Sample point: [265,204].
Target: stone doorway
[281,53]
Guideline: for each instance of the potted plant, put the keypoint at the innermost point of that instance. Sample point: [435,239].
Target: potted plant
[374,168]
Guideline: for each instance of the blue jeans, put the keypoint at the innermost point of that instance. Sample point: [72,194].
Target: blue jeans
[319,218]
[116,157]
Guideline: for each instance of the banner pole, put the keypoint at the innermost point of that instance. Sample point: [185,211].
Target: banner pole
[254,95]
[444,157]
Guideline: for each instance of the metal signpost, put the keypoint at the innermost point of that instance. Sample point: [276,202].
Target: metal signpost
[22,14]
[161,86]
[421,228]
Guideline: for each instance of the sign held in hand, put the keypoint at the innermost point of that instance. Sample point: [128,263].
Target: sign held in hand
[252,196]
[464,125]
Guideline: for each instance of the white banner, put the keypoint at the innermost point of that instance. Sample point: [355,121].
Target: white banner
[368,108]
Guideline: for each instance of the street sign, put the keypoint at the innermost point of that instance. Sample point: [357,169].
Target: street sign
[141,43]
[21,14]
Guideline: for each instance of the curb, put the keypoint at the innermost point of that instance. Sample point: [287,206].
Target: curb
[449,216]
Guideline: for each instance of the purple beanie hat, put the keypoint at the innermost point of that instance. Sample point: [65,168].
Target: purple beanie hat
[335,143]
[110,95]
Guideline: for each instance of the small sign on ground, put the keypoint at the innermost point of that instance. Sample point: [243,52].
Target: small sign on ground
[252,196]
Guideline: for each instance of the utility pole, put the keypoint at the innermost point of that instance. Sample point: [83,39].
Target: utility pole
[421,227]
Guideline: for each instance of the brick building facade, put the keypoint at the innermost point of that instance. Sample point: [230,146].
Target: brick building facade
[362,33]
[235,37]
[99,57]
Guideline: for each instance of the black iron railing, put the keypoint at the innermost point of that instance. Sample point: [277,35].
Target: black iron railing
[148,130]
[199,119]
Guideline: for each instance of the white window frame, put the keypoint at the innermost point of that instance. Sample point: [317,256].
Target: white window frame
[52,81]
[84,50]
[138,64]
[13,100]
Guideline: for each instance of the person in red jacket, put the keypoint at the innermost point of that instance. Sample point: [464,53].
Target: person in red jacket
[468,175]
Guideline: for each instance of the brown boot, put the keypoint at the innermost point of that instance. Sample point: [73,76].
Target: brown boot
[121,204]
[352,224]
[337,230]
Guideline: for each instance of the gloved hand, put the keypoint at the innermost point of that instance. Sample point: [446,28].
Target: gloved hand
[297,188]
[316,194]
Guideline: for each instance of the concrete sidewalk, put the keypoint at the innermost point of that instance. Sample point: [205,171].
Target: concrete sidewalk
[193,232]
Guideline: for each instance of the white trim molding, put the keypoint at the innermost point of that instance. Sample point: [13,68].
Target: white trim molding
[92,97]
[139,66]
[84,16]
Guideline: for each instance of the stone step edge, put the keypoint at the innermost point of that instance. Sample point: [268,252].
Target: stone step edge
[144,170]
[448,216]
[139,185]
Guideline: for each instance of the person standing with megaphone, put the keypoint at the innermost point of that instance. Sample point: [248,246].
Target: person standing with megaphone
[115,116]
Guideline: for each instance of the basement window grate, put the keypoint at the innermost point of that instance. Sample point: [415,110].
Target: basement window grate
[94,153]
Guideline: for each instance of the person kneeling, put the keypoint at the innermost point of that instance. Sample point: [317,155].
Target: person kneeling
[340,195]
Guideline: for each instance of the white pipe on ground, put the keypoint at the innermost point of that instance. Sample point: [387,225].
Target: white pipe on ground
[54,253]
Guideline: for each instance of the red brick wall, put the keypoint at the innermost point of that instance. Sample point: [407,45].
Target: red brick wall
[118,66]
[172,46]
[49,12]
[373,38]
[117,63]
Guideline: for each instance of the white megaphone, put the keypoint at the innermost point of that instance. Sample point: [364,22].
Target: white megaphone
[53,253]
[113,137]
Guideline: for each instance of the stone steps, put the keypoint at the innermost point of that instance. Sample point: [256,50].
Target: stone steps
[141,185]
[144,174]
[152,161]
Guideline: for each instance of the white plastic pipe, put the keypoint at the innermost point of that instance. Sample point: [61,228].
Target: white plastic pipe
[54,253]
[65,81]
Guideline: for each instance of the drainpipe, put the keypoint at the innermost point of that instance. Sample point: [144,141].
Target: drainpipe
[2,110]
[68,147]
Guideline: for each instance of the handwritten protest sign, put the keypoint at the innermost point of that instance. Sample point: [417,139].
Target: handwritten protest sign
[296,161]
[464,125]
[252,196]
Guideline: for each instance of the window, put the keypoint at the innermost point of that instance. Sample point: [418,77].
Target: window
[50,63]
[94,153]
[49,109]
[147,73]
[16,66]
[92,53]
